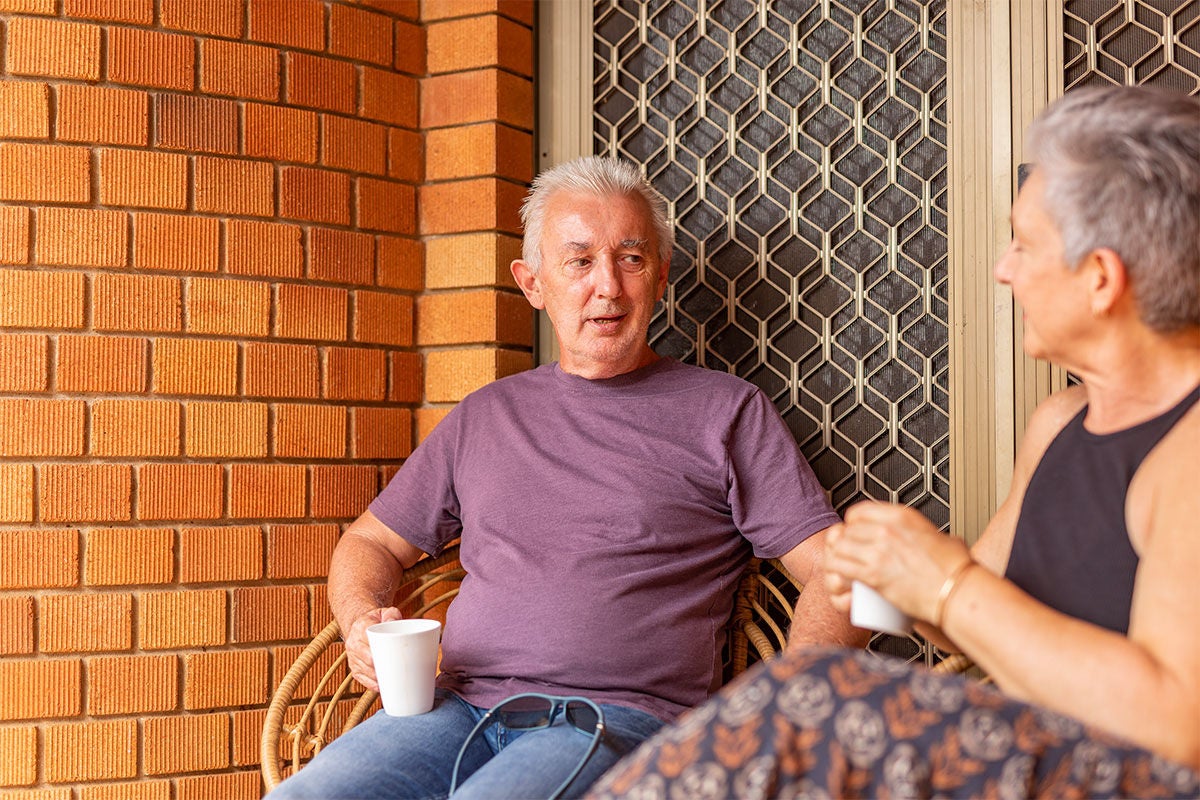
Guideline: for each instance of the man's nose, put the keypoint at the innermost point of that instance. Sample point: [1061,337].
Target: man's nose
[607,277]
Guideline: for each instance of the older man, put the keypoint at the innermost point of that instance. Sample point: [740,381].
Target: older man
[606,505]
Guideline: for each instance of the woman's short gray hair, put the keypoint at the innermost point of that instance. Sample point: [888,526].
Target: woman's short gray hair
[596,175]
[1121,167]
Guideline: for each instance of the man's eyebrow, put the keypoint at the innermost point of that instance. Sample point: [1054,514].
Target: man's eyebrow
[576,247]
[635,243]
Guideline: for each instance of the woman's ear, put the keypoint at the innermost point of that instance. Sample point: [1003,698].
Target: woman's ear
[1108,280]
[528,282]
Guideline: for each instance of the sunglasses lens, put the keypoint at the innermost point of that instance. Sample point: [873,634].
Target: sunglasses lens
[582,716]
[525,713]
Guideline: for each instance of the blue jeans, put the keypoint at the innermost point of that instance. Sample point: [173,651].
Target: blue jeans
[413,757]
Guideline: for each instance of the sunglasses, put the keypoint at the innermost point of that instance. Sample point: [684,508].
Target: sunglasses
[532,711]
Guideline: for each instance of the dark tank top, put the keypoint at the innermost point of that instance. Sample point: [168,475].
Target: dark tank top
[1071,549]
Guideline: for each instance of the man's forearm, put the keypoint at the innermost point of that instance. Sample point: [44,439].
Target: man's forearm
[362,576]
[815,621]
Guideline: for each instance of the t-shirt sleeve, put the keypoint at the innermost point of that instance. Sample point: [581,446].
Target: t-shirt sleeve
[420,502]
[775,497]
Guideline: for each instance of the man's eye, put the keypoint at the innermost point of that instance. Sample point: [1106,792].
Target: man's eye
[578,263]
[633,260]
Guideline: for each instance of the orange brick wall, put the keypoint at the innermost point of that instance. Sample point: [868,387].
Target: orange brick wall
[250,252]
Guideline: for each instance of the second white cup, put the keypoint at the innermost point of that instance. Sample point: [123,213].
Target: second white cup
[868,609]
[405,653]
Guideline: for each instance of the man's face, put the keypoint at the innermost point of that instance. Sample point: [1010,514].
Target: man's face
[1053,297]
[599,280]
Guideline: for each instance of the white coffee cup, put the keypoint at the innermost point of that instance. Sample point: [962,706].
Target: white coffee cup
[868,609]
[405,653]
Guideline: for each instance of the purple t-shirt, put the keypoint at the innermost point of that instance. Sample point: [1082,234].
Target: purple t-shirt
[604,526]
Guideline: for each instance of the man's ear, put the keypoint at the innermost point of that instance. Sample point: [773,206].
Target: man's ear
[664,273]
[1108,280]
[528,282]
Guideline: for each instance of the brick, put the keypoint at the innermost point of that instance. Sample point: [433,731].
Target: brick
[16,637]
[16,493]
[47,558]
[227,307]
[485,149]
[14,234]
[54,48]
[360,34]
[185,744]
[427,420]
[137,303]
[266,490]
[450,375]
[40,428]
[213,17]
[108,364]
[133,684]
[176,242]
[135,429]
[354,145]
[272,249]
[471,205]
[408,9]
[247,736]
[226,430]
[270,613]
[338,491]
[483,95]
[29,6]
[82,237]
[129,556]
[230,186]
[27,362]
[383,318]
[282,370]
[180,491]
[484,41]
[471,259]
[401,263]
[39,794]
[281,134]
[520,10]
[181,618]
[227,786]
[45,173]
[291,23]
[196,124]
[321,82]
[390,97]
[151,58]
[408,378]
[239,69]
[136,12]
[342,256]
[320,615]
[385,205]
[382,433]
[102,115]
[42,689]
[309,431]
[143,178]
[353,373]
[411,48]
[24,110]
[30,299]
[312,312]
[286,656]
[221,680]
[474,317]
[18,756]
[314,195]
[86,492]
[406,155]
[300,551]
[75,623]
[140,790]
[195,367]
[226,553]
[89,751]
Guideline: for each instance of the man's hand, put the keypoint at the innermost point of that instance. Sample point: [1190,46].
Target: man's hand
[358,649]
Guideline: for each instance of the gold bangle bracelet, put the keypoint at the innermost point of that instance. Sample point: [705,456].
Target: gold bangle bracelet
[947,589]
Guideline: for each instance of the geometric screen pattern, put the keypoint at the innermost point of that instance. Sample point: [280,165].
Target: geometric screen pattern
[1132,43]
[801,147]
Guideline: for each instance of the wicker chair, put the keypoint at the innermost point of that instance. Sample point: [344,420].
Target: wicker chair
[294,733]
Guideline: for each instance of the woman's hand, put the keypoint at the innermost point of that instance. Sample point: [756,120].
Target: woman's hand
[358,649]
[894,550]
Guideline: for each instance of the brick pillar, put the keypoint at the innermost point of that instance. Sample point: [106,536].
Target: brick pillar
[211,260]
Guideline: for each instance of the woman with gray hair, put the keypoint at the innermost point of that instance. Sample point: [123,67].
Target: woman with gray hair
[1081,597]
